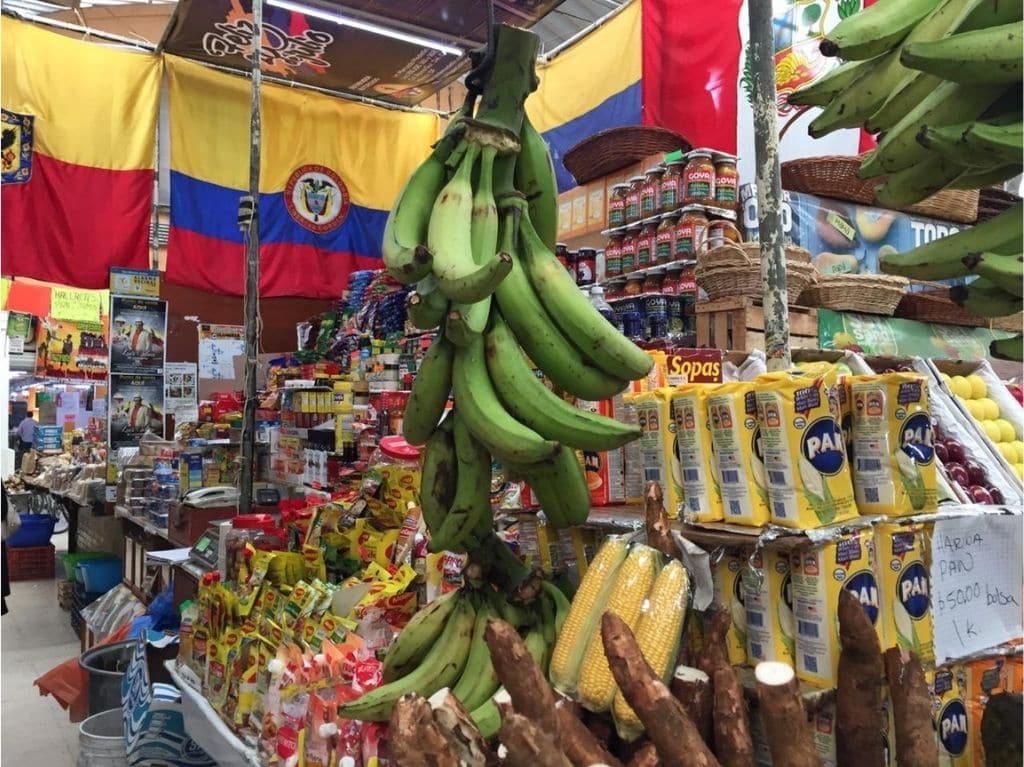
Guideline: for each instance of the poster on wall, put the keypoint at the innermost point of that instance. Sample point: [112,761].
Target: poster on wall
[180,388]
[138,327]
[67,349]
[218,347]
[136,406]
[21,341]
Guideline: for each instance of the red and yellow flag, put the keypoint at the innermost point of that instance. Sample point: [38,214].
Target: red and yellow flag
[77,158]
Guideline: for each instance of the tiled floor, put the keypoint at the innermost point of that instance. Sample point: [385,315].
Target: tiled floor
[35,636]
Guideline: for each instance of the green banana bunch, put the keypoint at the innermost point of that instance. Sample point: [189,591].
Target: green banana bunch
[535,179]
[430,390]
[876,29]
[827,87]
[561,487]
[418,637]
[980,145]
[991,55]
[986,299]
[479,681]
[440,667]
[943,258]
[1007,272]
[426,306]
[470,512]
[487,717]
[438,475]
[559,601]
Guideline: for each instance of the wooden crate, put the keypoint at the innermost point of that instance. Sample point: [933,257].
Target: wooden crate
[737,324]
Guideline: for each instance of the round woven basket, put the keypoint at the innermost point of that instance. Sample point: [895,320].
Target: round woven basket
[935,305]
[734,270]
[869,293]
[836,176]
[993,201]
[615,148]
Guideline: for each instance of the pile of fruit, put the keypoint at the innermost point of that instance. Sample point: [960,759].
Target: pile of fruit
[474,229]
[972,393]
[940,82]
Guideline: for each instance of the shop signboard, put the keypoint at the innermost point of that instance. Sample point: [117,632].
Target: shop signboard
[136,406]
[319,52]
[138,327]
[135,282]
[846,237]
[872,335]
[68,349]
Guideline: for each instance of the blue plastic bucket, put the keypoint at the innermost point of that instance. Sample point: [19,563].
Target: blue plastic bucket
[35,530]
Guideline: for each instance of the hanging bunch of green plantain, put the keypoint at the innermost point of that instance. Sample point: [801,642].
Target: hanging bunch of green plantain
[940,82]
[474,229]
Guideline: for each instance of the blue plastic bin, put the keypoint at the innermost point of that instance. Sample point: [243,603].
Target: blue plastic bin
[99,576]
[35,530]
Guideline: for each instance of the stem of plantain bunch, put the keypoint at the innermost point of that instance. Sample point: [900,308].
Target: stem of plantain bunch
[511,79]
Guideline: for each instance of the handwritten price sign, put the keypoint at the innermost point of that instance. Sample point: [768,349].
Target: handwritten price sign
[977,582]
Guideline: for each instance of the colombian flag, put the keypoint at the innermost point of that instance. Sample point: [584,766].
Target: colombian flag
[330,170]
[77,157]
[590,87]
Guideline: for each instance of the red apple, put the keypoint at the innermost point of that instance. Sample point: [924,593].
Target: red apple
[955,451]
[980,494]
[957,473]
[941,453]
[1017,392]
[975,472]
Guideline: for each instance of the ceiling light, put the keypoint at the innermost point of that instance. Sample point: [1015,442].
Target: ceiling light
[365,26]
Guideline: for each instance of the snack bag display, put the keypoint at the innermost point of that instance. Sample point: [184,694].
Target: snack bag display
[702,496]
[808,476]
[738,453]
[894,454]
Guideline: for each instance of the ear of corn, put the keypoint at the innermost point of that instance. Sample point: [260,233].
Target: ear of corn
[658,634]
[585,612]
[596,688]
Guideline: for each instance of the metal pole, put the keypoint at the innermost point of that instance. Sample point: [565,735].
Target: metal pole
[769,186]
[252,273]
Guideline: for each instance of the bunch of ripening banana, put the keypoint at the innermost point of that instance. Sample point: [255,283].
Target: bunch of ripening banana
[940,81]
[474,229]
[443,646]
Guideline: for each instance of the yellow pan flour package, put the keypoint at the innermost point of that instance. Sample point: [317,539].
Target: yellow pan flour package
[767,597]
[736,436]
[893,450]
[905,616]
[657,444]
[726,575]
[702,498]
[819,574]
[808,476]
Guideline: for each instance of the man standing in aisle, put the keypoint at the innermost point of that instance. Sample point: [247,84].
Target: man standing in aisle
[26,436]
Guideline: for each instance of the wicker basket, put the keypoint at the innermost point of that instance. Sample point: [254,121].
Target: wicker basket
[935,305]
[993,201]
[869,293]
[835,176]
[735,270]
[616,148]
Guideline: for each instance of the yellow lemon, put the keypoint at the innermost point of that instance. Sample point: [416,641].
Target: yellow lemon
[959,386]
[945,377]
[991,409]
[841,340]
[1018,468]
[1006,430]
[1008,452]
[1018,447]
[991,430]
[976,409]
[978,387]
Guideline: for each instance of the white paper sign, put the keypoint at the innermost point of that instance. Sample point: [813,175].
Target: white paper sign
[180,391]
[977,582]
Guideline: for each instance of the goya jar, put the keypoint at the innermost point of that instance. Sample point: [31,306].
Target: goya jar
[671,184]
[699,179]
[653,281]
[675,313]
[629,249]
[645,245]
[562,254]
[655,315]
[670,285]
[631,317]
[687,283]
[665,240]
[617,206]
[616,289]
[613,256]
[634,285]
[691,228]
[586,266]
[633,199]
[722,231]
[727,181]
[650,192]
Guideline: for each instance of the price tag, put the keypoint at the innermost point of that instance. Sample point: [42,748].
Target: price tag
[977,579]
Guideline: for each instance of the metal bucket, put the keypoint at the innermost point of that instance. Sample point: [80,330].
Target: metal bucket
[106,666]
[101,741]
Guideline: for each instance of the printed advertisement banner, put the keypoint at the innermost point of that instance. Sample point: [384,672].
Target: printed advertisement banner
[312,51]
[871,334]
[21,341]
[138,327]
[180,391]
[136,406]
[66,349]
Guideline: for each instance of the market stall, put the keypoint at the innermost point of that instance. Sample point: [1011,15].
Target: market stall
[641,459]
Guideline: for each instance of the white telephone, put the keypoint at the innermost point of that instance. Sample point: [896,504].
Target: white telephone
[211,497]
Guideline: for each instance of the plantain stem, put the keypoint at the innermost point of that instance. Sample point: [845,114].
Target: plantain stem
[510,81]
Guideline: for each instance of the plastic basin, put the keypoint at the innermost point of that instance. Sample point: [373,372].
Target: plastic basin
[106,666]
[35,530]
[98,575]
